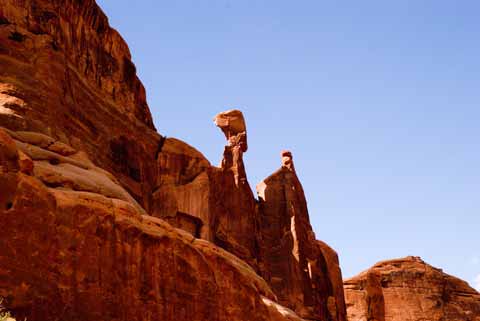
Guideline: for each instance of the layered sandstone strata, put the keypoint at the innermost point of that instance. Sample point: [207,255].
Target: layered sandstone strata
[409,289]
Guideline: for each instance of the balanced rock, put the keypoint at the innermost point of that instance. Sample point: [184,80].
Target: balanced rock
[103,218]
[409,289]
[232,124]
[212,203]
[235,208]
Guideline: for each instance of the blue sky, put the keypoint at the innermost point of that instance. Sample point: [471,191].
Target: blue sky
[379,102]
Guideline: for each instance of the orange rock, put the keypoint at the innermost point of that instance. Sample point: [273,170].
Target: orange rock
[232,124]
[71,252]
[336,301]
[216,204]
[25,163]
[66,75]
[89,192]
[80,167]
[409,289]
[303,273]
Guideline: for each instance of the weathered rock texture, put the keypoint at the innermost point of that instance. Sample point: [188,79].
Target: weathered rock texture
[219,199]
[104,219]
[409,289]
[66,74]
[89,191]
[235,204]
[76,246]
[303,272]
[275,237]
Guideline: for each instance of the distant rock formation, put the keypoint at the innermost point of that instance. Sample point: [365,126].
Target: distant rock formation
[294,263]
[409,289]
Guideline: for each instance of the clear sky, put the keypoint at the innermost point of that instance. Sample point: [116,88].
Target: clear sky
[379,102]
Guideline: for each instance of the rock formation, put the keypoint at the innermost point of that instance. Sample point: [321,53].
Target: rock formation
[294,263]
[102,217]
[182,188]
[66,74]
[409,289]
[218,199]
[235,228]
[105,219]
[76,246]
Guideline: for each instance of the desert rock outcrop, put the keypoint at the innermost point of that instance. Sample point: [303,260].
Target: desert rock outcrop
[303,273]
[235,204]
[103,218]
[216,202]
[66,74]
[76,246]
[409,289]
[90,193]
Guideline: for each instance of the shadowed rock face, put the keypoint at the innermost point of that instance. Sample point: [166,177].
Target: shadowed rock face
[409,289]
[293,262]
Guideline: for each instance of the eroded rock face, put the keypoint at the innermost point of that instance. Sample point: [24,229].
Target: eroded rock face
[336,298]
[303,273]
[409,289]
[66,74]
[182,188]
[89,192]
[76,246]
[81,167]
[215,203]
[234,208]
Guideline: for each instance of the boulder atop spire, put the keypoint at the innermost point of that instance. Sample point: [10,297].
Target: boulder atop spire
[232,124]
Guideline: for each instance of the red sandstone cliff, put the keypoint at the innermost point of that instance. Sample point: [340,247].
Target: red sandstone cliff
[65,73]
[76,246]
[216,202]
[275,237]
[409,289]
[89,192]
[105,219]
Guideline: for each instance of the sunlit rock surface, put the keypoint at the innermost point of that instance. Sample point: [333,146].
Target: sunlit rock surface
[409,289]
[102,217]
